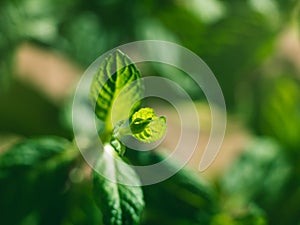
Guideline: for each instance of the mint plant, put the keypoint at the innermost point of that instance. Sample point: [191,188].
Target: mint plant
[37,176]
[112,91]
[116,93]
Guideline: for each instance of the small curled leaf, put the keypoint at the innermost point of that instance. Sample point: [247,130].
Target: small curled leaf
[146,126]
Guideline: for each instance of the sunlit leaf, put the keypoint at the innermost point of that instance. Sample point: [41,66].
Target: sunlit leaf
[146,126]
[112,89]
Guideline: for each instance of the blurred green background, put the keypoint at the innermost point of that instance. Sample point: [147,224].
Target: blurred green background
[253,48]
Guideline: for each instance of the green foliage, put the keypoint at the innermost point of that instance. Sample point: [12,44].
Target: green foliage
[235,42]
[259,176]
[113,94]
[262,168]
[33,172]
[184,198]
[35,183]
[119,203]
[112,91]
[248,216]
[283,100]
[32,152]
[146,126]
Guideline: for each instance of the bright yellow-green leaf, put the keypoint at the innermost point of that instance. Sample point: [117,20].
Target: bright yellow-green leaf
[146,126]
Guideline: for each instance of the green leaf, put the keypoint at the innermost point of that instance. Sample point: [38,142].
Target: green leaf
[33,151]
[32,173]
[112,89]
[261,168]
[120,204]
[146,126]
[283,100]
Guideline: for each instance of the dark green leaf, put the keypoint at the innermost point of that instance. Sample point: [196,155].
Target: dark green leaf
[33,151]
[120,204]
[32,173]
